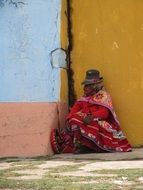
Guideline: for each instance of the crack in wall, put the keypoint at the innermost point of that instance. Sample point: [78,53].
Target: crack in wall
[58,117]
[70,72]
[13,2]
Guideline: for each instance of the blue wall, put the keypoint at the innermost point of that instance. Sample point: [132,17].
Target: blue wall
[29,31]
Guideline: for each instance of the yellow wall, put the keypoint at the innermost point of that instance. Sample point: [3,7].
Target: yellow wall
[108,35]
[64,44]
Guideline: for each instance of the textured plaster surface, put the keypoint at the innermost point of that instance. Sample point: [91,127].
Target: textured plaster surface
[25,128]
[30,30]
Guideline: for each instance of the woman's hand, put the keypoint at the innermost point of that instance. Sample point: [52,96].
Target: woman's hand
[88,119]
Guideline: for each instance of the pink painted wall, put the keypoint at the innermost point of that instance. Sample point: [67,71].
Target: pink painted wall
[25,127]
[30,79]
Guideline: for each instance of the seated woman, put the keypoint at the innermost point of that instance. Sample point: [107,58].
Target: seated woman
[91,125]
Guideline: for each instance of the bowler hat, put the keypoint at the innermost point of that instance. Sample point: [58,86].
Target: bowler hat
[92,77]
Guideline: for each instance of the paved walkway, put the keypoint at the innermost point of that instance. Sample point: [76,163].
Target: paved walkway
[83,169]
[85,164]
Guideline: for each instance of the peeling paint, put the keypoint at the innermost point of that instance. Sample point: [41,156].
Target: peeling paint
[96,30]
[58,58]
[115,46]
[16,3]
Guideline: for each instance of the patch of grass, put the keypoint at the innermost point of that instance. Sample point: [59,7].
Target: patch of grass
[52,184]
[10,172]
[65,183]
[28,163]
[53,180]
[10,159]
[7,173]
[4,174]
[131,174]
[18,159]
[65,168]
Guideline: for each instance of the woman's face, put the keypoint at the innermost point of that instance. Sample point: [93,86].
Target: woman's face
[89,89]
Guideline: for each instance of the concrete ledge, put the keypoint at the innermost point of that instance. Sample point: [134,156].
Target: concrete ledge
[136,154]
